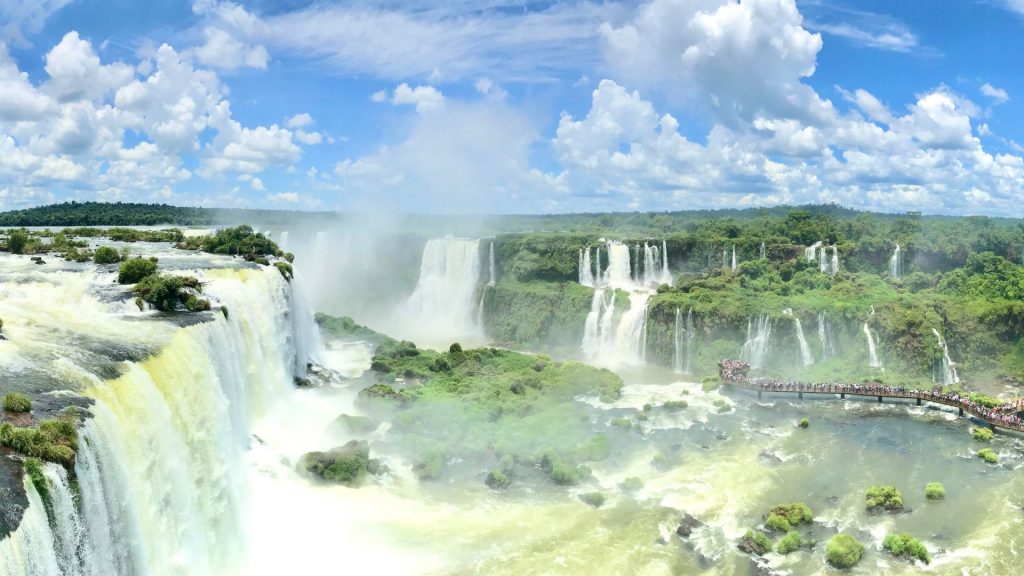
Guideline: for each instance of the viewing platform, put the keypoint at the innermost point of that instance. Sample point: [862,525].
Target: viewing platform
[1006,415]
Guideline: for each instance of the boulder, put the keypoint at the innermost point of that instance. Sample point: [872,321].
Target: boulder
[347,465]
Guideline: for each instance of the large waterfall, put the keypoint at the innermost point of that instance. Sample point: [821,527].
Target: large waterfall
[586,273]
[682,340]
[948,368]
[621,340]
[896,264]
[443,306]
[805,350]
[755,349]
[825,337]
[160,464]
[873,359]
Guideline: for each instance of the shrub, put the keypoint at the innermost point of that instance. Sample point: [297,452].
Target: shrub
[595,499]
[843,551]
[905,545]
[497,480]
[53,440]
[594,449]
[165,292]
[34,471]
[794,514]
[134,270]
[883,497]
[982,434]
[346,464]
[15,402]
[777,523]
[285,269]
[804,423]
[106,255]
[934,491]
[755,542]
[16,241]
[988,455]
[791,542]
[430,466]
[675,405]
[621,422]
[196,304]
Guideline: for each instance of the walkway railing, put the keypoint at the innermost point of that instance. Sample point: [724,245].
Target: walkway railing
[734,372]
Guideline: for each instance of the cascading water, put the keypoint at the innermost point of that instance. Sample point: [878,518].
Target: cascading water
[810,253]
[666,276]
[762,251]
[949,375]
[682,340]
[612,340]
[834,269]
[873,360]
[618,272]
[896,264]
[491,275]
[805,350]
[598,274]
[159,464]
[825,337]
[443,306]
[586,272]
[755,349]
[733,257]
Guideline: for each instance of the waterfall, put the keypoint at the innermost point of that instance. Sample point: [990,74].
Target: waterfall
[762,250]
[442,306]
[825,337]
[624,342]
[160,464]
[810,253]
[677,340]
[617,274]
[896,264]
[586,274]
[666,276]
[873,360]
[651,265]
[599,275]
[805,350]
[631,335]
[725,258]
[949,375]
[492,277]
[755,349]
[283,242]
[835,262]
[637,273]
[733,257]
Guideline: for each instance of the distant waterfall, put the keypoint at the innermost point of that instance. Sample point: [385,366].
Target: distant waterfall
[678,337]
[621,342]
[598,323]
[733,257]
[444,303]
[755,349]
[805,350]
[725,258]
[949,375]
[666,276]
[834,269]
[598,274]
[896,264]
[825,337]
[811,252]
[631,337]
[826,264]
[873,360]
[586,273]
[618,272]
[652,266]
[762,251]
[492,278]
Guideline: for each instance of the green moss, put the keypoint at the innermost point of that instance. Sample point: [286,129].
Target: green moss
[788,516]
[883,498]
[34,471]
[430,466]
[15,402]
[804,423]
[982,434]
[934,491]
[595,449]
[777,523]
[621,422]
[988,455]
[906,546]
[755,542]
[285,269]
[791,542]
[843,551]
[595,499]
[135,269]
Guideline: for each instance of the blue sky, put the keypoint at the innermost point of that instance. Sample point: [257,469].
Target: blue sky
[514,106]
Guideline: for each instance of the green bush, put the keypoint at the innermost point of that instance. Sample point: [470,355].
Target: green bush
[106,255]
[347,465]
[934,491]
[54,440]
[285,269]
[988,455]
[755,542]
[166,291]
[595,499]
[884,498]
[777,523]
[497,480]
[34,470]
[843,551]
[791,542]
[905,545]
[793,514]
[675,405]
[15,402]
[982,434]
[804,423]
[16,241]
[135,269]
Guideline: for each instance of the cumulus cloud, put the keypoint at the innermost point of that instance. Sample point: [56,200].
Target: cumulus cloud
[424,98]
[222,50]
[999,95]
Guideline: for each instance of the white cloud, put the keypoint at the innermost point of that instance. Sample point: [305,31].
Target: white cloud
[76,73]
[424,98]
[299,121]
[21,17]
[19,99]
[288,197]
[998,94]
[224,51]
[894,38]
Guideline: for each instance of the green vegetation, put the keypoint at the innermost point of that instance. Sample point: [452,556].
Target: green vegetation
[54,440]
[106,255]
[595,499]
[843,551]
[883,498]
[988,455]
[791,542]
[285,269]
[755,542]
[34,470]
[497,480]
[785,517]
[135,269]
[17,240]
[906,546]
[804,423]
[346,329]
[347,465]
[15,402]
[165,292]
[934,491]
[675,405]
[104,214]
[982,434]
[241,240]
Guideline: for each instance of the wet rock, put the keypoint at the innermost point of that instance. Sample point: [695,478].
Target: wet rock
[12,493]
[770,457]
[347,465]
[687,525]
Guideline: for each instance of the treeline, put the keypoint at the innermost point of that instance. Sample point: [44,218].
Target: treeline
[137,214]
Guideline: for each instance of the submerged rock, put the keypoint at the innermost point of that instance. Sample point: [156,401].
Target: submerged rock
[347,465]
[687,525]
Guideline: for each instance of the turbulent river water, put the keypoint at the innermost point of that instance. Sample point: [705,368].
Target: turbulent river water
[187,465]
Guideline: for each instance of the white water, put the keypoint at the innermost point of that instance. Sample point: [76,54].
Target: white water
[825,336]
[873,360]
[949,375]
[733,257]
[586,273]
[617,275]
[443,306]
[896,264]
[755,349]
[682,339]
[666,276]
[491,276]
[762,250]
[810,252]
[805,350]
[616,341]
